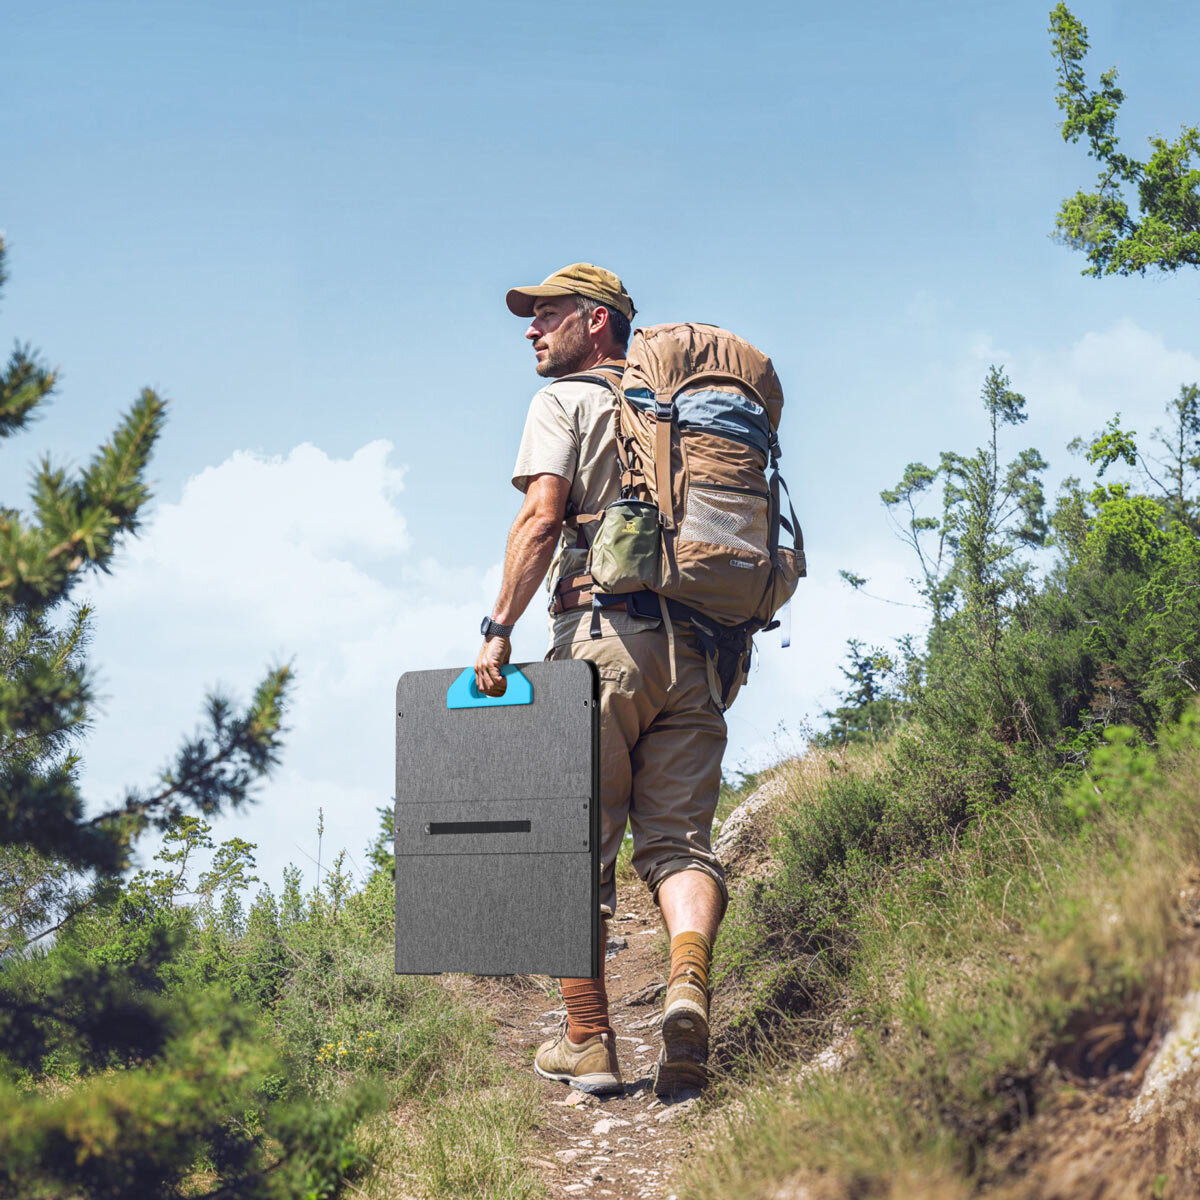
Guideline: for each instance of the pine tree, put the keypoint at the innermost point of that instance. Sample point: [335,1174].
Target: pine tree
[202,1094]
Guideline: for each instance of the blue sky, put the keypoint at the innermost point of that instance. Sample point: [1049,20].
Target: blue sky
[298,220]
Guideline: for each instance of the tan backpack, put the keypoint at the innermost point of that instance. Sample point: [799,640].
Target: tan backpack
[699,519]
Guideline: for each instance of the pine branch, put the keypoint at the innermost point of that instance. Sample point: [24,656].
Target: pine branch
[79,520]
[113,479]
[24,384]
[41,808]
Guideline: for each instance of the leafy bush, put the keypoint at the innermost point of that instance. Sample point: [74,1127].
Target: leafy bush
[963,982]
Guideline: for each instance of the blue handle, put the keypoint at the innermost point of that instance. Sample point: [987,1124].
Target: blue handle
[464,694]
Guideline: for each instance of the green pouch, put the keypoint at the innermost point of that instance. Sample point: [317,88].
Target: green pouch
[625,548]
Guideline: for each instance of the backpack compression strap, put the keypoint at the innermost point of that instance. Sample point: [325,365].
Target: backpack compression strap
[664,421]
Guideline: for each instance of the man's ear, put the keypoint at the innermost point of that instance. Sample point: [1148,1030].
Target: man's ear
[598,321]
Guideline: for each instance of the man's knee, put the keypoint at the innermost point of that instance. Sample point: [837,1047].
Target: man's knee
[693,880]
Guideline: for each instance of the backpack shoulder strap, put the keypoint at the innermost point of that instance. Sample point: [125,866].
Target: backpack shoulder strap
[607,375]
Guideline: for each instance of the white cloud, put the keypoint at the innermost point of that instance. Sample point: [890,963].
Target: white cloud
[1072,391]
[1124,368]
[301,558]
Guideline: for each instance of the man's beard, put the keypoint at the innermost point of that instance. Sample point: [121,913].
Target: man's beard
[567,353]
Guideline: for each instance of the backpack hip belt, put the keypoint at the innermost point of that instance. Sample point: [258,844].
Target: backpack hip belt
[572,591]
[726,648]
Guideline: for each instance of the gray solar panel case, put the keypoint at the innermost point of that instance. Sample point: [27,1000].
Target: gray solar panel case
[497,827]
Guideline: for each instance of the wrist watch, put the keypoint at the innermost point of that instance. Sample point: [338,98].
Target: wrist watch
[491,629]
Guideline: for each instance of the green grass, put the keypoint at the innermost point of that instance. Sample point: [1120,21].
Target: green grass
[962,971]
[457,1124]
[470,1145]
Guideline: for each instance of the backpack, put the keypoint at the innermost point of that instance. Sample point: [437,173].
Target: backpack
[699,519]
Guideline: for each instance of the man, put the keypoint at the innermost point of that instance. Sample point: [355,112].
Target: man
[660,744]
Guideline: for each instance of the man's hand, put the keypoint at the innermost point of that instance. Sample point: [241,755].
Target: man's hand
[493,654]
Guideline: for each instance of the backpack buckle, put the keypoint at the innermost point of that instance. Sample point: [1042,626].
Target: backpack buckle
[664,410]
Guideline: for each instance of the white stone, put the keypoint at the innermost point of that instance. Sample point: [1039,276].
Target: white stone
[1177,1059]
[674,1112]
[739,826]
[607,1125]
[829,1060]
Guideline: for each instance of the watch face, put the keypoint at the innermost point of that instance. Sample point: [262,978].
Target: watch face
[483,626]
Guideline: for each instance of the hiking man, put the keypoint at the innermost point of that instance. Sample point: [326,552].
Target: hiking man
[662,733]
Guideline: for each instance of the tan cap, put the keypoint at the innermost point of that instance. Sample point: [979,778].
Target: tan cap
[579,279]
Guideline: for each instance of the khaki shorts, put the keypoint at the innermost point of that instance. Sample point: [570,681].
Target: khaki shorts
[660,748]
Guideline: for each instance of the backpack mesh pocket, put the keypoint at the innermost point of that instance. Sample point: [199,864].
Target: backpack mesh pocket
[725,516]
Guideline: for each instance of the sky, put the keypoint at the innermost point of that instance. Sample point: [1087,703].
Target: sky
[298,221]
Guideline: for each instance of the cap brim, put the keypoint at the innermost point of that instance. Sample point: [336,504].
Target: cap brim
[520,300]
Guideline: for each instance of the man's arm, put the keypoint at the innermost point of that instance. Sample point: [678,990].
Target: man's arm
[531,543]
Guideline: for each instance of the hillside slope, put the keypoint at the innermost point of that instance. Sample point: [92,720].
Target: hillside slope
[1012,1015]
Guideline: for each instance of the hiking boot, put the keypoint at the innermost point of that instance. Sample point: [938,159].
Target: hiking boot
[591,1066]
[683,1061]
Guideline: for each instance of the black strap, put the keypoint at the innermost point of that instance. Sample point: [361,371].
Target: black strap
[603,600]
[774,517]
[794,528]
[726,645]
[777,518]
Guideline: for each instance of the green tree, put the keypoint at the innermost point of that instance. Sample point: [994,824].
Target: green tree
[1164,233]
[977,580]
[871,704]
[197,1097]
[1174,471]
[989,510]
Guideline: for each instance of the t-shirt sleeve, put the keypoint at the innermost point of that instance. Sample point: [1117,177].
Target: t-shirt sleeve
[550,443]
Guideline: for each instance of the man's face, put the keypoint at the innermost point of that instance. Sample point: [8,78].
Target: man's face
[559,335]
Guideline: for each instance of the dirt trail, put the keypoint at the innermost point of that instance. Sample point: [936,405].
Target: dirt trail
[623,1146]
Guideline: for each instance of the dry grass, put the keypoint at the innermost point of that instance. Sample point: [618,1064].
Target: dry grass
[471,1144]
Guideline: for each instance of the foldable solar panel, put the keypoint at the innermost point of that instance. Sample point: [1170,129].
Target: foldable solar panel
[498,822]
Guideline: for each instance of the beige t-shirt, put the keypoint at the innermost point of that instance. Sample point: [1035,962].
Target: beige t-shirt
[571,432]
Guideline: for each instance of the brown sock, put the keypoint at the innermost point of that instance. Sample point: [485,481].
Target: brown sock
[690,951]
[587,1006]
